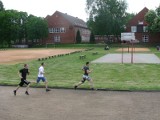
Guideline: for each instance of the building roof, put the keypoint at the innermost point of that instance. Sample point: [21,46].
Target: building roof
[75,21]
[140,17]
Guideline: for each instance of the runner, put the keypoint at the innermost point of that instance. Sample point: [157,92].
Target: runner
[86,77]
[23,75]
[41,77]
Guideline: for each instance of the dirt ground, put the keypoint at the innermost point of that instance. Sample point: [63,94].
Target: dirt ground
[61,104]
[12,56]
[134,49]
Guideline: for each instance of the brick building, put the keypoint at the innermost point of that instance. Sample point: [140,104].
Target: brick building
[138,25]
[63,28]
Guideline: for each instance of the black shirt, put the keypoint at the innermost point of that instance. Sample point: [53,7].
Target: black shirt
[85,68]
[24,72]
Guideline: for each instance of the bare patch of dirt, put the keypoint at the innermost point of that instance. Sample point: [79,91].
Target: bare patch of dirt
[13,56]
[134,49]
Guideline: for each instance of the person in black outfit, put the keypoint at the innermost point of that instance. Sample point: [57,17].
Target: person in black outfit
[86,77]
[23,74]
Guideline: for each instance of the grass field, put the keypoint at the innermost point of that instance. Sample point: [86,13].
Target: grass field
[65,71]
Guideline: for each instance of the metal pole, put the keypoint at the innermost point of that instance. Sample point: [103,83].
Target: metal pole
[122,53]
[132,53]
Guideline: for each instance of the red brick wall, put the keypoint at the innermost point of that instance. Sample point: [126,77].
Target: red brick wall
[136,19]
[57,21]
[153,37]
[140,17]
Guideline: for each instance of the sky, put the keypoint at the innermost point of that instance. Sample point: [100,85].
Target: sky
[76,8]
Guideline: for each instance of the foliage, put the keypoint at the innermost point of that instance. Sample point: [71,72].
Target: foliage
[1,6]
[158,11]
[17,27]
[107,17]
[78,37]
[9,26]
[37,28]
[92,38]
[128,17]
[153,20]
[149,18]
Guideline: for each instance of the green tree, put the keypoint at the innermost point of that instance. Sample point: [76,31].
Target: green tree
[21,30]
[11,27]
[128,17]
[107,16]
[153,20]
[158,11]
[92,38]
[8,26]
[150,18]
[2,28]
[78,37]
[37,28]
[91,24]
[1,6]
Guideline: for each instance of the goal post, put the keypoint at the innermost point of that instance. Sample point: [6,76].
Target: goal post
[50,44]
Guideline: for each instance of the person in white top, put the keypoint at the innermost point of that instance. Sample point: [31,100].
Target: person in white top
[41,76]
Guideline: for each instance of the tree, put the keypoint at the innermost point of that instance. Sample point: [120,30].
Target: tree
[18,27]
[153,20]
[91,24]
[78,37]
[1,6]
[149,18]
[37,28]
[2,28]
[21,31]
[128,17]
[92,38]
[158,11]
[8,26]
[107,16]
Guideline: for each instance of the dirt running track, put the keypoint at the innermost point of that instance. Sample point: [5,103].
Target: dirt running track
[60,104]
[12,56]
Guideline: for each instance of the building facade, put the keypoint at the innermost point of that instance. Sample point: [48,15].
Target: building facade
[138,25]
[63,29]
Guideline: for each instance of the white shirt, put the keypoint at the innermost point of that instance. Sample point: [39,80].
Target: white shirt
[41,72]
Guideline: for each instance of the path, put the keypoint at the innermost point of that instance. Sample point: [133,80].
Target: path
[60,104]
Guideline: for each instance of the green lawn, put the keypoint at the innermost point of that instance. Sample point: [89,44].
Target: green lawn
[65,71]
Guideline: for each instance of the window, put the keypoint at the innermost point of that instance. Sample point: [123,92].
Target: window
[139,28]
[57,30]
[145,29]
[62,30]
[57,39]
[133,29]
[140,22]
[50,30]
[145,38]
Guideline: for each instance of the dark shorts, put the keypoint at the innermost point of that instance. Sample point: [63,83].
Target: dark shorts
[23,81]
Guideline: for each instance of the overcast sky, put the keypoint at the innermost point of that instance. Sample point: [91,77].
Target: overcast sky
[76,8]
